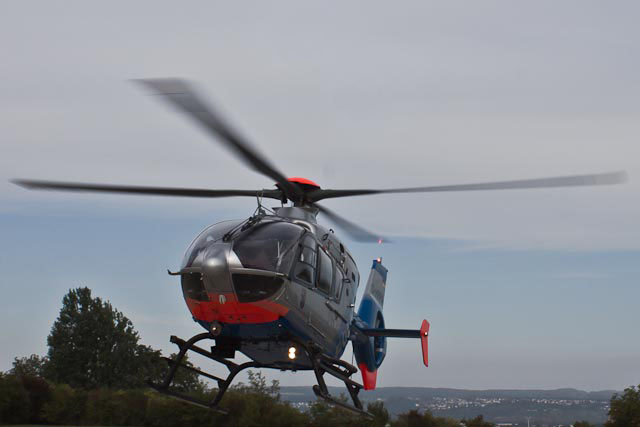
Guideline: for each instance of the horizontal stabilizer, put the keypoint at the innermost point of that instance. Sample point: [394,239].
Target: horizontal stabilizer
[422,333]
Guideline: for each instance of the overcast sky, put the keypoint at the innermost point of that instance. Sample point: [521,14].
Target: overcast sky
[355,94]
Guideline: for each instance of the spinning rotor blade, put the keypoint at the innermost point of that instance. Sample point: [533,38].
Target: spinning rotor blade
[610,178]
[183,97]
[157,191]
[356,232]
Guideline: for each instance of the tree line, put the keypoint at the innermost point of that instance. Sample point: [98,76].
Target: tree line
[96,369]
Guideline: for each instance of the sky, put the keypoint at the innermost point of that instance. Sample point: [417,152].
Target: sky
[524,289]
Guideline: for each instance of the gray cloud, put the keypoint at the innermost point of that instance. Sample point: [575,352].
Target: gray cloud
[360,94]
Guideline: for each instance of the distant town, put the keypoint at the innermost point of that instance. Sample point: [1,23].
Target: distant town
[548,408]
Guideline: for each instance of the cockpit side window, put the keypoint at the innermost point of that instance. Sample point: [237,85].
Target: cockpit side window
[338,280]
[306,266]
[325,272]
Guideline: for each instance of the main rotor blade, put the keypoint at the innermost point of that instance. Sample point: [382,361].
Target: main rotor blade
[183,97]
[356,232]
[156,191]
[610,178]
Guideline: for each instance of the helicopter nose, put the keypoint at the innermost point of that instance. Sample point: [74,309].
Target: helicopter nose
[230,293]
[223,274]
[215,268]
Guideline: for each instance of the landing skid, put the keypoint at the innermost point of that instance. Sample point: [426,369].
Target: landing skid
[321,365]
[341,370]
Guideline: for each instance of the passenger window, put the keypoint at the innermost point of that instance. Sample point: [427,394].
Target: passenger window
[306,265]
[338,280]
[325,275]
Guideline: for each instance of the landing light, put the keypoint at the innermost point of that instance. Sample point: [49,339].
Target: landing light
[215,328]
[292,353]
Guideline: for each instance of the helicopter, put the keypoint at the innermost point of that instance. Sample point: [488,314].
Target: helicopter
[278,286]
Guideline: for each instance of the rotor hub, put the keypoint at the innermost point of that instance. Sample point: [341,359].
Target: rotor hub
[304,182]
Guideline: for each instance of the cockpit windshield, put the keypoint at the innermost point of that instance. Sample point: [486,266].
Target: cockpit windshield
[210,234]
[268,246]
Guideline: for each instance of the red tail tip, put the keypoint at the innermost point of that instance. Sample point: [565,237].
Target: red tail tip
[368,377]
[424,341]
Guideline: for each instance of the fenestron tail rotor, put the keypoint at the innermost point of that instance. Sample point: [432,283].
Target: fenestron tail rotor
[302,192]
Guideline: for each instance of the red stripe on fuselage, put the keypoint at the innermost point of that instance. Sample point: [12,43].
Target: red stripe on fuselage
[225,308]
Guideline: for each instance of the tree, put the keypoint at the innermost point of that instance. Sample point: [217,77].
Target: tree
[39,392]
[416,419]
[32,366]
[380,414]
[66,406]
[93,345]
[257,403]
[583,424]
[184,380]
[477,422]
[14,400]
[625,409]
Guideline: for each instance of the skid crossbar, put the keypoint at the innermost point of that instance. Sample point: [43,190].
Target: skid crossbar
[320,363]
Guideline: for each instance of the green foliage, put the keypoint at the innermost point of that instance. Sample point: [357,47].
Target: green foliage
[39,393]
[380,414]
[255,402]
[32,366]
[324,414]
[14,400]
[258,386]
[115,407]
[583,424]
[625,409]
[66,406]
[282,414]
[184,380]
[249,405]
[426,419]
[163,411]
[93,345]
[30,371]
[477,422]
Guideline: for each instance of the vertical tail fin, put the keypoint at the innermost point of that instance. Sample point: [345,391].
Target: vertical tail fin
[377,283]
[368,334]
[370,351]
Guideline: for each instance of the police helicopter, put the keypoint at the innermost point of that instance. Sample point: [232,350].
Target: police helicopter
[278,286]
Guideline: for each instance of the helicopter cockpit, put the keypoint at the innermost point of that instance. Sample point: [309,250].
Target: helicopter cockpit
[249,258]
[254,258]
[268,246]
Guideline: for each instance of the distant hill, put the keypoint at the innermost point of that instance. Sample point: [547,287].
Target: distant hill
[560,406]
